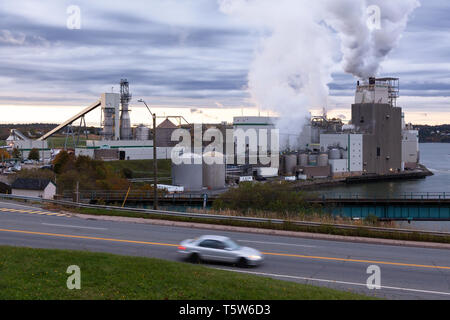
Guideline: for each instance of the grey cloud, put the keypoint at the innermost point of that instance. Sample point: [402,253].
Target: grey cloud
[208,63]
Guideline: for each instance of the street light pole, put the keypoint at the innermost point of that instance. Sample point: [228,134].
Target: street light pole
[155,159]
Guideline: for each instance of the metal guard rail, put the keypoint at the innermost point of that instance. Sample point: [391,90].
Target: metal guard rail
[220,217]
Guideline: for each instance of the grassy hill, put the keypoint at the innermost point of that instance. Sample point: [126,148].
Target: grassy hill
[38,274]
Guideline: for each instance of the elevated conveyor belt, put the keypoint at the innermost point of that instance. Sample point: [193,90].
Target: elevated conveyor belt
[71,120]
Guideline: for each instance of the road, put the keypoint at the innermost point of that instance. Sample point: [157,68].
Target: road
[406,272]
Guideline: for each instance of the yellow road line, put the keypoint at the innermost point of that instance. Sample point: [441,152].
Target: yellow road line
[13,210]
[266,253]
[32,212]
[89,238]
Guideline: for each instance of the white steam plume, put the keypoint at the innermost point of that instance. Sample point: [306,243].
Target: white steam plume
[364,49]
[292,66]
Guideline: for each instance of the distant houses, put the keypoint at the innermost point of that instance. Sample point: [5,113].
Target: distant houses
[37,188]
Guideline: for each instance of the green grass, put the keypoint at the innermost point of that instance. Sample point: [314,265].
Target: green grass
[143,168]
[2,143]
[36,274]
[58,142]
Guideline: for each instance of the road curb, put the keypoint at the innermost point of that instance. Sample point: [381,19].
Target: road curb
[297,234]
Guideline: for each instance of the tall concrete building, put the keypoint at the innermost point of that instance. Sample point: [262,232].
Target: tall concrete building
[377,117]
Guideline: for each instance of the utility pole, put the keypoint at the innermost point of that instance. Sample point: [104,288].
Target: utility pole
[155,159]
[155,165]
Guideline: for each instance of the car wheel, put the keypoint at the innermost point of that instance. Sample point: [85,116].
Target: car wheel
[194,258]
[243,263]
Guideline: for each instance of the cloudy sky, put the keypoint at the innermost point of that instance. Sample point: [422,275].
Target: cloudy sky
[183,57]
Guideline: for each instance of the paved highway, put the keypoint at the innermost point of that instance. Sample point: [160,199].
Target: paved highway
[406,272]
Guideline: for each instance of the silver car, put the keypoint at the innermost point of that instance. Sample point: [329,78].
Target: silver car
[219,249]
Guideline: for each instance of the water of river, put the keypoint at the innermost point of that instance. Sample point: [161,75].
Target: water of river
[436,157]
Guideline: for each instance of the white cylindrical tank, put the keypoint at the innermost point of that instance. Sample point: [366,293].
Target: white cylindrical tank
[142,132]
[188,174]
[214,170]
[335,154]
[312,160]
[322,160]
[303,159]
[290,161]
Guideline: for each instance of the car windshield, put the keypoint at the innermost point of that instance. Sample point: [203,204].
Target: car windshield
[231,245]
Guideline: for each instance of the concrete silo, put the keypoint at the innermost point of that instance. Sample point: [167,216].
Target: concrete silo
[189,173]
[303,159]
[214,170]
[290,164]
[142,133]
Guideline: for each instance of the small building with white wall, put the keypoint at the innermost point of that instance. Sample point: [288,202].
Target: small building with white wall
[25,146]
[410,145]
[345,152]
[37,188]
[128,149]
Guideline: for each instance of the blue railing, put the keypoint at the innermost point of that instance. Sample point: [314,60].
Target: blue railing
[387,196]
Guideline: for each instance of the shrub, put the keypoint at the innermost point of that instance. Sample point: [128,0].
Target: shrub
[34,154]
[4,155]
[271,197]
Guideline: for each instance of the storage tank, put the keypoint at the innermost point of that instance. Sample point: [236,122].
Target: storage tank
[335,154]
[312,160]
[303,159]
[142,132]
[323,160]
[188,174]
[290,161]
[214,170]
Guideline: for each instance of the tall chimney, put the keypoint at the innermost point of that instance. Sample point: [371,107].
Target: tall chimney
[125,123]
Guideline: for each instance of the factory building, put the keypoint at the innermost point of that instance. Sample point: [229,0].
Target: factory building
[253,127]
[373,143]
[119,141]
[140,148]
[257,124]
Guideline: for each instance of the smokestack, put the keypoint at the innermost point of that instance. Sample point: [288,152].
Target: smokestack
[125,123]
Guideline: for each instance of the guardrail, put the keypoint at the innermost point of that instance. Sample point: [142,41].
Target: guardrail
[108,195]
[220,217]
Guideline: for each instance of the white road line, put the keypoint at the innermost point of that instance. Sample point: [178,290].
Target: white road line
[278,243]
[335,281]
[70,226]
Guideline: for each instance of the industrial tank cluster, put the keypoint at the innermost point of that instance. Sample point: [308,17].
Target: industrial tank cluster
[297,162]
[197,172]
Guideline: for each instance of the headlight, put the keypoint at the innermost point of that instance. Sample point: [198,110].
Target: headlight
[255,257]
